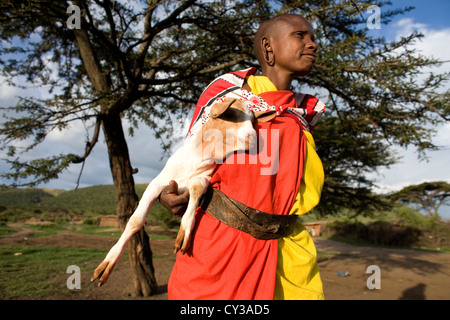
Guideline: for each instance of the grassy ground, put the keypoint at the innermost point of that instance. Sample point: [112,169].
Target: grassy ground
[26,272]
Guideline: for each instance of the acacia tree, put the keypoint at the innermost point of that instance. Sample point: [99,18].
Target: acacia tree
[430,195]
[131,59]
[145,60]
[374,97]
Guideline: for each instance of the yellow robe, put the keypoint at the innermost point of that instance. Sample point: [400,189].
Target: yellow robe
[297,274]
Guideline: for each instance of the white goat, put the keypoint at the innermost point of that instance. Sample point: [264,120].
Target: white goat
[228,129]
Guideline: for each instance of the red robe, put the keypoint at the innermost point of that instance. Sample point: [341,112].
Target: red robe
[225,263]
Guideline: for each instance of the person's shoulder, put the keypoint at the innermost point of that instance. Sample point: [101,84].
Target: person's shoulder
[312,108]
[232,79]
[303,100]
[237,76]
[245,72]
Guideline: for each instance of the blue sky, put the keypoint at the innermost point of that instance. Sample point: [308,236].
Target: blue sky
[430,17]
[434,13]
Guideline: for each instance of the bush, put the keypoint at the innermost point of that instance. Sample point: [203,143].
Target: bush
[436,235]
[388,234]
[378,233]
[161,214]
[90,220]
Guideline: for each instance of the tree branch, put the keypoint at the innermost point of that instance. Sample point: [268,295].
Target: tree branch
[90,62]
[111,42]
[90,144]
[150,32]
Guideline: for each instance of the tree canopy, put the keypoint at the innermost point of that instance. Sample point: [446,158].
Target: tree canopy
[429,195]
[149,60]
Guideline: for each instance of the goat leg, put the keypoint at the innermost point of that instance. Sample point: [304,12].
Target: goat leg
[134,224]
[196,190]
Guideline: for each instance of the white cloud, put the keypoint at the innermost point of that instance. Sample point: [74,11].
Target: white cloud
[145,151]
[410,170]
[7,93]
[434,44]
[407,26]
[443,136]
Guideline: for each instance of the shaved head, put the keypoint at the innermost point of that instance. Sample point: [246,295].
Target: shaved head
[271,28]
[285,49]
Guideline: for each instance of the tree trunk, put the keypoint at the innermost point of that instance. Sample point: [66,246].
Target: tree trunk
[139,250]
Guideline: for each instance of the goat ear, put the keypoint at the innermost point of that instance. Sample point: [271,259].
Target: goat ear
[264,116]
[219,108]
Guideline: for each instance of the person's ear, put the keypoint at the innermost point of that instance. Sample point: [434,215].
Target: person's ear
[268,54]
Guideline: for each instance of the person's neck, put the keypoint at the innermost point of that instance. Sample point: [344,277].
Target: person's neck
[281,80]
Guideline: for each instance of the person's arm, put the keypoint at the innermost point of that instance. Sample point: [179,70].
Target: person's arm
[172,201]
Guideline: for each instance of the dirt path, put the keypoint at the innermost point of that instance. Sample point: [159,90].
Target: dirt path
[405,274]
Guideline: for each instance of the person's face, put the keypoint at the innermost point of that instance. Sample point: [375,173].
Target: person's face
[293,47]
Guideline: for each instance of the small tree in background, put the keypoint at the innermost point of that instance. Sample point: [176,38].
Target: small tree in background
[428,195]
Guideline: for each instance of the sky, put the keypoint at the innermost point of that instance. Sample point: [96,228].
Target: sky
[429,17]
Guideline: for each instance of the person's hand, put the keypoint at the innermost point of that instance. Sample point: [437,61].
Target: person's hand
[172,201]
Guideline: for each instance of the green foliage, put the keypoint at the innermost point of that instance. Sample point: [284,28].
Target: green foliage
[159,213]
[429,195]
[150,63]
[87,204]
[400,226]
[373,97]
[5,230]
[14,197]
[98,199]
[407,216]
[43,170]
[377,233]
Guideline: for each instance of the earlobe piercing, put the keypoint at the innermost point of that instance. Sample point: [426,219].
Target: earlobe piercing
[270,62]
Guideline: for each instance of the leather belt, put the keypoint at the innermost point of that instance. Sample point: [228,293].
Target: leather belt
[260,225]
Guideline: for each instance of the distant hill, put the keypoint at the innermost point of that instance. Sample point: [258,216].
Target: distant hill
[99,199]
[90,203]
[15,197]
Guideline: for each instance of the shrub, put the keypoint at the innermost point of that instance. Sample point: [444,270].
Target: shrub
[378,233]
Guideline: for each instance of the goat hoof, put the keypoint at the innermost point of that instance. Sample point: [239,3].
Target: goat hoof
[185,245]
[182,241]
[179,240]
[102,272]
